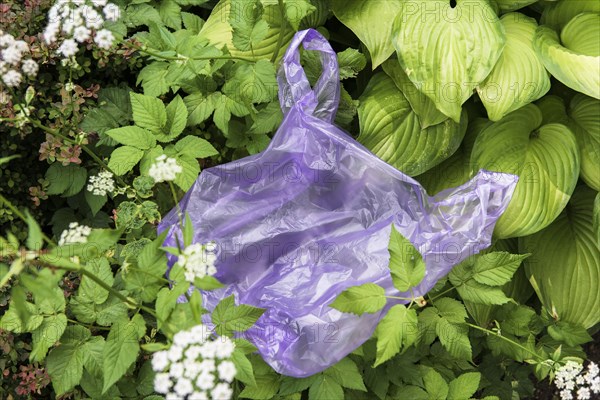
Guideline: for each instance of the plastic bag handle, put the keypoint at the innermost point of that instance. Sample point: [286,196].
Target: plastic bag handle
[294,88]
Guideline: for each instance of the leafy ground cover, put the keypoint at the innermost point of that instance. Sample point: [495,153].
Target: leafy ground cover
[110,110]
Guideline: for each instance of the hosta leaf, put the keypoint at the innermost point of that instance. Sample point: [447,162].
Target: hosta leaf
[581,34]
[585,123]
[446,58]
[545,158]
[597,217]
[455,170]
[557,14]
[564,267]
[421,104]
[577,70]
[372,22]
[218,31]
[511,5]
[519,77]
[391,130]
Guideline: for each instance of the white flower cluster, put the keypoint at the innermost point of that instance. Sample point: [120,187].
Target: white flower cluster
[198,260]
[75,234]
[194,367]
[77,21]
[101,184]
[569,378]
[12,56]
[164,169]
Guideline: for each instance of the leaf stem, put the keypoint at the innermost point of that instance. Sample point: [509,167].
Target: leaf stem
[171,58]
[505,339]
[281,32]
[20,215]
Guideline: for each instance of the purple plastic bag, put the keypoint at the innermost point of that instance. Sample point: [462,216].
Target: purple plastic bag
[311,216]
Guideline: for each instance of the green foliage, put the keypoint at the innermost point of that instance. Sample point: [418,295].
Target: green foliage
[196,81]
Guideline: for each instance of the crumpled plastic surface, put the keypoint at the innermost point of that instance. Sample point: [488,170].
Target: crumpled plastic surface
[311,215]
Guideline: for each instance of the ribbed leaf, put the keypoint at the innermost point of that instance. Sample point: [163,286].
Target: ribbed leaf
[519,77]
[585,123]
[390,129]
[420,103]
[372,22]
[511,5]
[582,34]
[557,14]
[578,71]
[565,264]
[545,158]
[446,58]
[457,169]
[218,32]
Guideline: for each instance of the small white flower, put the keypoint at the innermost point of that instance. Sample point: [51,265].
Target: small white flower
[111,12]
[68,48]
[92,18]
[30,68]
[583,393]
[176,370]
[566,395]
[12,78]
[197,262]
[75,234]
[183,387]
[6,39]
[175,353]
[99,3]
[225,347]
[205,381]
[12,55]
[222,392]
[198,396]
[101,184]
[183,338]
[162,383]
[207,366]
[160,361]
[193,352]
[81,34]
[51,32]
[227,371]
[164,169]
[104,39]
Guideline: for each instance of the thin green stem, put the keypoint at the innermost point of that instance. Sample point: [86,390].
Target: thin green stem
[171,58]
[281,32]
[90,326]
[505,339]
[399,298]
[432,299]
[21,216]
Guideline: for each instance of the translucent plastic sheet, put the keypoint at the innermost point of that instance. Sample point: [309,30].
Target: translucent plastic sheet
[311,216]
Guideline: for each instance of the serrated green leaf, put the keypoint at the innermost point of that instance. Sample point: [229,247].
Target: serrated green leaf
[435,385]
[366,298]
[95,202]
[89,290]
[481,294]
[65,367]
[133,136]
[192,22]
[228,317]
[372,22]
[148,112]
[346,373]
[395,332]
[295,10]
[123,159]
[199,107]
[351,62]
[468,42]
[325,387]
[451,310]
[120,351]
[245,372]
[249,29]
[392,131]
[454,338]
[153,78]
[46,335]
[406,263]
[464,387]
[496,268]
[170,13]
[572,335]
[177,116]
[191,169]
[513,84]
[65,180]
[34,235]
[195,147]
